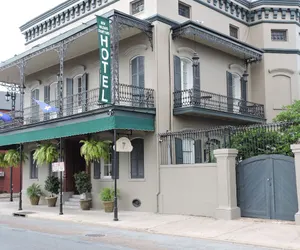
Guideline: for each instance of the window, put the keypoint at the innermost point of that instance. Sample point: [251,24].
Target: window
[97,170]
[234,31]
[107,168]
[138,80]
[137,7]
[279,35]
[188,151]
[35,110]
[184,10]
[137,159]
[33,167]
[186,74]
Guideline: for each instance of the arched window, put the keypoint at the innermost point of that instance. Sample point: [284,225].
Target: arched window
[138,80]
[137,159]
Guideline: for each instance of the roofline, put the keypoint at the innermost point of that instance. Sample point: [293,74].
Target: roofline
[47,14]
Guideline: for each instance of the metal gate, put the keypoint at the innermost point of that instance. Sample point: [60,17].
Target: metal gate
[266,187]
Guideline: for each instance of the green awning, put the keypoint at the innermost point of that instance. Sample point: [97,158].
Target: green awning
[72,128]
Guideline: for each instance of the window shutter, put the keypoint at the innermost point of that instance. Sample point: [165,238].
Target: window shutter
[141,72]
[196,83]
[137,159]
[112,166]
[47,93]
[243,89]
[84,88]
[97,170]
[69,96]
[229,92]
[177,82]
[198,151]
[178,151]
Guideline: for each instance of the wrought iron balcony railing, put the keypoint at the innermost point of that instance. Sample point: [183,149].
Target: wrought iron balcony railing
[127,95]
[212,101]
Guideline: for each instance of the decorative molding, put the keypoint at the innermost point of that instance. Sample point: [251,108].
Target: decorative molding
[51,79]
[186,50]
[237,68]
[76,71]
[134,50]
[281,71]
[63,18]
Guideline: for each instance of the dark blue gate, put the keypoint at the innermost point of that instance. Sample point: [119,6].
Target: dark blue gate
[266,187]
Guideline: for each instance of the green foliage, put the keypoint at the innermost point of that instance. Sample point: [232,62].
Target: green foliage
[93,150]
[108,194]
[82,182]
[290,114]
[52,185]
[45,153]
[271,139]
[13,157]
[34,190]
[3,163]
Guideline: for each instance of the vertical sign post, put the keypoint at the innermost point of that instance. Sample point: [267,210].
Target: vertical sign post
[105,59]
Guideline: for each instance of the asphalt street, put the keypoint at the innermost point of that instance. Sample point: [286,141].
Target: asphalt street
[18,233]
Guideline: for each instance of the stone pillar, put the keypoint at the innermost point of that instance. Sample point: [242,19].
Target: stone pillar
[227,208]
[296,150]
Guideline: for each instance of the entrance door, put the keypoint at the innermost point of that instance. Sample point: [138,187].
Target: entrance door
[74,163]
[267,187]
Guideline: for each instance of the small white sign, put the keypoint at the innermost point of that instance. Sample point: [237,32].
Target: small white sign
[123,145]
[58,166]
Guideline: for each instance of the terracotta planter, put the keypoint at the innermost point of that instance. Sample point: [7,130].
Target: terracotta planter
[34,200]
[85,204]
[108,206]
[51,201]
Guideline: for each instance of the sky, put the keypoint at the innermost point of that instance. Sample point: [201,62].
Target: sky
[13,14]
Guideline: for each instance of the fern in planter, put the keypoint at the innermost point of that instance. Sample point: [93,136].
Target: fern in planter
[52,185]
[108,194]
[93,150]
[45,153]
[3,163]
[13,157]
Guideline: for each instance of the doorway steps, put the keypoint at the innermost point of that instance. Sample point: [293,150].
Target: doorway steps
[73,202]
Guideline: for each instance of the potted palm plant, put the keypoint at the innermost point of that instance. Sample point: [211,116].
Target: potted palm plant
[107,197]
[93,150]
[12,157]
[84,186]
[3,162]
[45,153]
[34,192]
[52,185]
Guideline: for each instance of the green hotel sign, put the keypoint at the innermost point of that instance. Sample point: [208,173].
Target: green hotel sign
[105,59]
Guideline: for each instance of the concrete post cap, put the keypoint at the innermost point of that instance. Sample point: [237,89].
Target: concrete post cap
[226,152]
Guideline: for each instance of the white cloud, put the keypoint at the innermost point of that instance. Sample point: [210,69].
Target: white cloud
[13,14]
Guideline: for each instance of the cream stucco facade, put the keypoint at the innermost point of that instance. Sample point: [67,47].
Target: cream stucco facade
[242,80]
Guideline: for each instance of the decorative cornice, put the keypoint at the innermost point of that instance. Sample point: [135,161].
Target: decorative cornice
[186,49]
[237,68]
[63,18]
[135,49]
[281,71]
[47,14]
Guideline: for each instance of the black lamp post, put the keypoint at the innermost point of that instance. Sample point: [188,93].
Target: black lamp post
[11,95]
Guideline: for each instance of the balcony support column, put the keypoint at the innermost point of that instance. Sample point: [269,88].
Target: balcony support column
[61,50]
[115,40]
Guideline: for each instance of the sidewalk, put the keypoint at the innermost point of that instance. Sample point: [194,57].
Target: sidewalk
[276,234]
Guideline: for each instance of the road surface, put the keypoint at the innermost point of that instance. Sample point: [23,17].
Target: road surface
[18,233]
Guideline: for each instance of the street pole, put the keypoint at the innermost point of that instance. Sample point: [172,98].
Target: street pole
[21,176]
[115,177]
[61,180]
[11,184]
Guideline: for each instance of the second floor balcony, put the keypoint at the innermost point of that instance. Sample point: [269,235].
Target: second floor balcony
[130,98]
[193,101]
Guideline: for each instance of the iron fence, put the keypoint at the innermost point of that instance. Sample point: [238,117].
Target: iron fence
[197,146]
[212,101]
[85,101]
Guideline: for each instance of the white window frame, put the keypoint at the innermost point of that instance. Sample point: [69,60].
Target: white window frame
[54,85]
[76,107]
[188,147]
[140,11]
